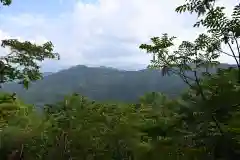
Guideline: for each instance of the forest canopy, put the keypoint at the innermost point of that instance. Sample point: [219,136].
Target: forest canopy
[201,123]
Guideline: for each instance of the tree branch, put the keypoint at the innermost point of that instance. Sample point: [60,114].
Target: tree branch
[228,54]
[233,53]
[238,48]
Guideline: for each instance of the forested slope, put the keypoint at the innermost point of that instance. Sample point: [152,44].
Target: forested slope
[103,84]
[202,123]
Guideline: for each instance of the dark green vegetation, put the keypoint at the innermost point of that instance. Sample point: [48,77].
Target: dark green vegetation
[202,123]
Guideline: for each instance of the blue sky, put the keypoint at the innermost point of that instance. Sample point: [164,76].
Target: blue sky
[47,7]
[97,32]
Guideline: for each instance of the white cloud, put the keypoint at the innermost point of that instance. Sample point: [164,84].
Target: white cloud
[104,33]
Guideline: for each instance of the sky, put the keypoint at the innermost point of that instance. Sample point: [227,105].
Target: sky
[98,32]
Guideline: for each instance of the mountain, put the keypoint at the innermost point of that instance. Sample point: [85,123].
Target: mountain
[98,83]
[47,74]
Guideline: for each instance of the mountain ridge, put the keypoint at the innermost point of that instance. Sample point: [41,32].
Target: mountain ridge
[98,83]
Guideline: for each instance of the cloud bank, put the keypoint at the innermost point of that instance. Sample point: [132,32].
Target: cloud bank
[103,32]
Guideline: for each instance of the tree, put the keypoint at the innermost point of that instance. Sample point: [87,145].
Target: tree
[210,99]
[22,63]
[19,122]
[225,29]
[6,2]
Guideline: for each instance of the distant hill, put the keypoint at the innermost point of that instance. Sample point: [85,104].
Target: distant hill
[98,83]
[47,74]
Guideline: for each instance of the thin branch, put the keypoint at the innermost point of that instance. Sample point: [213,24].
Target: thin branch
[217,124]
[200,90]
[199,85]
[238,48]
[21,153]
[183,76]
[8,55]
[204,98]
[233,53]
[228,54]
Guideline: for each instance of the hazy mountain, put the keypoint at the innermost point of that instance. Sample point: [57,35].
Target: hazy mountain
[47,74]
[99,83]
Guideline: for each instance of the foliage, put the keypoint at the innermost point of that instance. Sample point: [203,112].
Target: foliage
[203,123]
[22,63]
[213,99]
[6,2]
